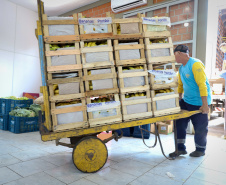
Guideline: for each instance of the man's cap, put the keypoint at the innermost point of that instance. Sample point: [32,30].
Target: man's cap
[181,48]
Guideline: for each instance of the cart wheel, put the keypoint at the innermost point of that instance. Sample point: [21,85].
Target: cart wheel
[90,154]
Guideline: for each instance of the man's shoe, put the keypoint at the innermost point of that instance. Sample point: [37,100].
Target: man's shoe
[197,154]
[176,154]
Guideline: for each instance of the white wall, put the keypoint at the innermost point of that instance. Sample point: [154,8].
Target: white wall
[212,26]
[19,54]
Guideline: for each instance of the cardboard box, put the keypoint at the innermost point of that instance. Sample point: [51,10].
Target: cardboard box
[164,128]
[170,122]
[152,128]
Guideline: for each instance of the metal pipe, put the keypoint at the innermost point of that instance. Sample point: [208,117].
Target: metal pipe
[195,28]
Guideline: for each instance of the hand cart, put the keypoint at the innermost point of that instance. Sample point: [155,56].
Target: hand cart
[89,152]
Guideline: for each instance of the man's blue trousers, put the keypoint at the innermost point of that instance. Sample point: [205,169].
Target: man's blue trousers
[200,123]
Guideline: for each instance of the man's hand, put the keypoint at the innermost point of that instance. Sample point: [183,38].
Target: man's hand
[205,109]
[180,96]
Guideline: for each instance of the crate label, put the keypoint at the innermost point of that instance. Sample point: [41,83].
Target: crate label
[30,122]
[163,73]
[105,20]
[163,21]
[1,119]
[163,128]
[12,122]
[102,106]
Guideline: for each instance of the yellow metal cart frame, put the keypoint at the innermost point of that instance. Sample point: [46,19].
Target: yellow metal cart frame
[89,152]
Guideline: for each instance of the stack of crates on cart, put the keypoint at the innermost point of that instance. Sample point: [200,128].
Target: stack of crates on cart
[132,68]
[64,73]
[100,77]
[7,105]
[161,65]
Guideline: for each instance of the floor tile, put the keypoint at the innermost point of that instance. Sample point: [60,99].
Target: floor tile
[28,145]
[218,165]
[6,175]
[153,179]
[59,159]
[194,181]
[37,179]
[149,157]
[67,173]
[83,182]
[209,176]
[181,174]
[133,150]
[5,148]
[31,167]
[8,160]
[118,154]
[56,149]
[123,152]
[29,154]
[109,163]
[132,167]
[185,161]
[111,177]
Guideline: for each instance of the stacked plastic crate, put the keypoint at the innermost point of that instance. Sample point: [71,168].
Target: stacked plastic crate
[64,73]
[100,77]
[4,113]
[161,65]
[7,122]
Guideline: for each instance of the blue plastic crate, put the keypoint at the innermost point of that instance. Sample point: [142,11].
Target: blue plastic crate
[126,132]
[20,103]
[4,106]
[23,124]
[4,120]
[137,132]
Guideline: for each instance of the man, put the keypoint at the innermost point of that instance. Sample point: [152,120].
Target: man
[197,96]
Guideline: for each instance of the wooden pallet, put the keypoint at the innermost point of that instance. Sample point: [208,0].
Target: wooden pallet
[139,46]
[160,59]
[137,102]
[61,38]
[167,111]
[112,76]
[60,127]
[122,76]
[137,20]
[93,122]
[95,36]
[108,49]
[153,82]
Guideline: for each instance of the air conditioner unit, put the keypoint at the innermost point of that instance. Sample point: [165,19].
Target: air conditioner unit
[121,5]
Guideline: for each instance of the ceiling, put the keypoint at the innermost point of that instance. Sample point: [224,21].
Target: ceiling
[54,7]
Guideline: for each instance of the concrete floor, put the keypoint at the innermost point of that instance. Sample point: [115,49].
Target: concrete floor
[26,160]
